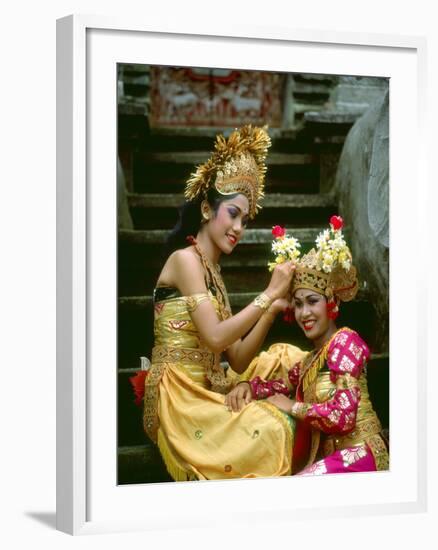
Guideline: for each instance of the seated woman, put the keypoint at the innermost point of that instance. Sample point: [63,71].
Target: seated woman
[184,412]
[337,428]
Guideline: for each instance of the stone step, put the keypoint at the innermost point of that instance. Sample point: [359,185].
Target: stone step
[295,140]
[158,171]
[129,107]
[313,77]
[208,132]
[189,139]
[152,210]
[141,464]
[192,158]
[311,89]
[135,325]
[332,117]
[271,200]
[139,461]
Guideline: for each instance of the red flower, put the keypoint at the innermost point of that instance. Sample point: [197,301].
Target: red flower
[137,383]
[288,315]
[336,222]
[278,231]
[332,310]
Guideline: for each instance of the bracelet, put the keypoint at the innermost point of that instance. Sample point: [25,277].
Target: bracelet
[262,301]
[298,409]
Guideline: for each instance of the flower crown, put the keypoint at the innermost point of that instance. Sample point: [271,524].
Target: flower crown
[327,269]
[236,166]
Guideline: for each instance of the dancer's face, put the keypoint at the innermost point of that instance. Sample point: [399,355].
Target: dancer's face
[227,225]
[310,310]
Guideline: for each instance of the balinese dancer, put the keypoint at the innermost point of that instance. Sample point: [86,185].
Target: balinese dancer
[326,392]
[184,412]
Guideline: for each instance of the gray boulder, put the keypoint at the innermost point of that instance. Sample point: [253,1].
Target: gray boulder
[362,189]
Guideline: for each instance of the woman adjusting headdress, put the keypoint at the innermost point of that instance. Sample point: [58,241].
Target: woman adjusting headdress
[185,413]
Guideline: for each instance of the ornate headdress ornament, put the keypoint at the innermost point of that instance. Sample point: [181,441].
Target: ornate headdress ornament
[237,165]
[327,269]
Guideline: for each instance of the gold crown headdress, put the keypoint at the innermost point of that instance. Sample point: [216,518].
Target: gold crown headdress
[236,166]
[328,269]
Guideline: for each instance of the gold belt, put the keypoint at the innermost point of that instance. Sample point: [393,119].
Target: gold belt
[168,354]
[360,434]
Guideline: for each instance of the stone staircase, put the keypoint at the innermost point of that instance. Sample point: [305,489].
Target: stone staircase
[301,164]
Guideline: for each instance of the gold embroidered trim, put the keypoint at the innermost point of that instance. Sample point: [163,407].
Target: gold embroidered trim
[359,435]
[278,415]
[151,395]
[313,363]
[218,381]
[193,301]
[168,354]
[379,451]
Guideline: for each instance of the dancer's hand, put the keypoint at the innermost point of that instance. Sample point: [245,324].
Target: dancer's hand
[279,305]
[281,402]
[280,280]
[238,397]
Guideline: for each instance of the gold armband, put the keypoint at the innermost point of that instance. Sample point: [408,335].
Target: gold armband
[262,301]
[194,300]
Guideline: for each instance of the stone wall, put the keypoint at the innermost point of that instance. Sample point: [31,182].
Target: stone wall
[362,189]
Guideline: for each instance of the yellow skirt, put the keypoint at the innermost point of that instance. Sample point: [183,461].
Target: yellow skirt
[199,438]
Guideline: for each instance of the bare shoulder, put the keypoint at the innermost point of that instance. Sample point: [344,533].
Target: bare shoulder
[184,259]
[183,270]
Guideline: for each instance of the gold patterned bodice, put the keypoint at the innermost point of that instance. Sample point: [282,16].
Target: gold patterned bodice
[173,325]
[177,341]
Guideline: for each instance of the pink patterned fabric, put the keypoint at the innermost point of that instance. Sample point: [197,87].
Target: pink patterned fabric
[337,415]
[347,354]
[351,459]
[294,374]
[346,358]
[261,389]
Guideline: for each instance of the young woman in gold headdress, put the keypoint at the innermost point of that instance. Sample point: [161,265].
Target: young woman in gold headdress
[326,393]
[184,412]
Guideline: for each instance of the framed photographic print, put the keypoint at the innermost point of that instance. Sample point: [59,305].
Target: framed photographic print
[138,109]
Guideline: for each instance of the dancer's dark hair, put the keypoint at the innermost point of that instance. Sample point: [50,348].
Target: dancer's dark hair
[189,220]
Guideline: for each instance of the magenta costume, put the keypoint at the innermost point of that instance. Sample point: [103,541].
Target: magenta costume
[337,428]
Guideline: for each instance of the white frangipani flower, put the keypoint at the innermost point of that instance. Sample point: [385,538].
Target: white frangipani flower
[285,248]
